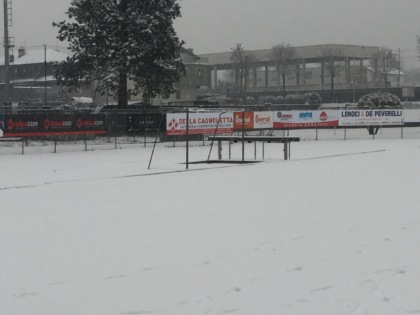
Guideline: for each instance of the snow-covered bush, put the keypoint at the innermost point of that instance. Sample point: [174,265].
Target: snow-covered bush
[250,100]
[312,98]
[379,100]
[294,99]
[279,100]
[269,99]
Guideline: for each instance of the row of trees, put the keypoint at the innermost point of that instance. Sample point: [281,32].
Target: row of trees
[284,56]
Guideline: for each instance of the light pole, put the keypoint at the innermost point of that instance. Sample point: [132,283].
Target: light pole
[6,53]
[399,67]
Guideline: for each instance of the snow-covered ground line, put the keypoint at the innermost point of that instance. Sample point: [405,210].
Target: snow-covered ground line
[333,231]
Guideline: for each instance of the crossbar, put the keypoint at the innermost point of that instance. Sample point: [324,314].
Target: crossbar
[255,138]
[14,140]
[285,140]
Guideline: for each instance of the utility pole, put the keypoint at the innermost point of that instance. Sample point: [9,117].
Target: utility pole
[399,67]
[7,45]
[45,74]
[246,77]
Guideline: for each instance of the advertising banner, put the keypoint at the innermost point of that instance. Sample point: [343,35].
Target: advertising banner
[263,120]
[248,118]
[305,119]
[199,123]
[139,122]
[53,125]
[369,117]
[411,117]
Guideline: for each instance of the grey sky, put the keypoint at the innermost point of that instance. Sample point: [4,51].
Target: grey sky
[217,25]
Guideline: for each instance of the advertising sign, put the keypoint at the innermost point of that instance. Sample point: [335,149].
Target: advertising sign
[199,123]
[248,118]
[305,119]
[263,120]
[369,117]
[411,117]
[53,125]
[139,122]
[1,125]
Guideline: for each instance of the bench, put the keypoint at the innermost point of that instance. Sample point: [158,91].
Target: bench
[3,140]
[285,140]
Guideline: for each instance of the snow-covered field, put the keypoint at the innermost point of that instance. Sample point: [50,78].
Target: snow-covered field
[336,230]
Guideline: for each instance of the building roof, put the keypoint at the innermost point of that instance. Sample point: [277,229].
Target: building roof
[390,72]
[37,55]
[311,54]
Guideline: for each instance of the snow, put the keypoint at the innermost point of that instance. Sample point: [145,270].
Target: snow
[335,230]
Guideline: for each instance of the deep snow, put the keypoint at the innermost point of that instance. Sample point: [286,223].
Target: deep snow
[336,230]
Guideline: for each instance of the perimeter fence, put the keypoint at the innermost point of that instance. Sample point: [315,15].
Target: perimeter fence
[106,127]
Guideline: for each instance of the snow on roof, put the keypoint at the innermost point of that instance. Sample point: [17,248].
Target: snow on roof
[392,72]
[37,55]
[39,79]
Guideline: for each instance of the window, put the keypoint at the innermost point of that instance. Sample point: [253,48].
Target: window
[200,73]
[178,95]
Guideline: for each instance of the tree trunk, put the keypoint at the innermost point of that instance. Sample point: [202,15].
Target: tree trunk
[122,79]
[284,84]
[122,91]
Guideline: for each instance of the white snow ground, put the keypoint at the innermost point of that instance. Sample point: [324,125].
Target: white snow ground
[336,230]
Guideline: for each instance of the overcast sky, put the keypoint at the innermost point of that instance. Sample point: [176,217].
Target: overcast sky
[217,25]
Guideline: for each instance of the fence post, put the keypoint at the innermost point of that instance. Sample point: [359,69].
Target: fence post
[255,150]
[285,150]
[243,135]
[187,140]
[263,150]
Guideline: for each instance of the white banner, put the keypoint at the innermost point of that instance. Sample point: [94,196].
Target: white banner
[371,117]
[199,123]
[263,120]
[412,116]
[306,119]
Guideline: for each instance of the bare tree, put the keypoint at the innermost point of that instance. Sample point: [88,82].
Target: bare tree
[384,61]
[240,60]
[223,87]
[334,64]
[283,54]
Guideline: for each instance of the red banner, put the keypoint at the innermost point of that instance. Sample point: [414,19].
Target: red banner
[38,125]
[248,117]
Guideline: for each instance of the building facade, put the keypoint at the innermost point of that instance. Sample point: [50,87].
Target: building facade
[32,79]
[310,69]
[191,84]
